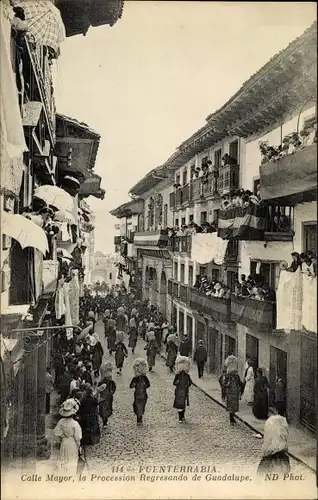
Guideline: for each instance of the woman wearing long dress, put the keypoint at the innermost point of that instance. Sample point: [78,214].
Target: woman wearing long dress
[172,351]
[132,334]
[70,433]
[151,350]
[106,389]
[233,388]
[140,383]
[248,394]
[120,352]
[182,381]
[111,338]
[260,403]
[97,355]
[89,421]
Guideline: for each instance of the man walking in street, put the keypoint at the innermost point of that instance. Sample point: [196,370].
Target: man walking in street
[200,357]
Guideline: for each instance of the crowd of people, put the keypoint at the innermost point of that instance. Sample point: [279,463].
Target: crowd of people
[306,261]
[252,286]
[86,387]
[242,198]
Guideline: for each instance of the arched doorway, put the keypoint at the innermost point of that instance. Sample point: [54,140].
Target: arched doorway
[163,294]
[153,286]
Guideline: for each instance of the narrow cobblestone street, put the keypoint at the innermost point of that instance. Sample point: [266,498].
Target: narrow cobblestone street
[206,438]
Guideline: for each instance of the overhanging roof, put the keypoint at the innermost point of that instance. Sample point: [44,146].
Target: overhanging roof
[133,207]
[262,99]
[79,15]
[84,142]
[283,84]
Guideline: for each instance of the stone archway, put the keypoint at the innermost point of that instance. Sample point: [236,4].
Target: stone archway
[163,293]
[153,286]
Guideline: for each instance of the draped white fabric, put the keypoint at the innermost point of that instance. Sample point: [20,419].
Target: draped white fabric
[309,309]
[296,301]
[208,247]
[68,316]
[12,136]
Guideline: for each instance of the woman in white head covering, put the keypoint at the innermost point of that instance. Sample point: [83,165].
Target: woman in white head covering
[70,433]
[182,381]
[275,458]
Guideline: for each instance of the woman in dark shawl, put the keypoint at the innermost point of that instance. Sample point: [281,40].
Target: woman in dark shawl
[260,401]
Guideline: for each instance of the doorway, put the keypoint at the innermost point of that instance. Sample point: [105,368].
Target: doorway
[277,369]
[252,349]
[212,350]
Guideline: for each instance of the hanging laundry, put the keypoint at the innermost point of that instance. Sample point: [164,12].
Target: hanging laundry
[289,299]
[208,247]
[309,305]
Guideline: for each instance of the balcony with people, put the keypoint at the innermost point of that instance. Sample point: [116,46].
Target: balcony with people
[288,172]
[245,216]
[253,303]
[212,298]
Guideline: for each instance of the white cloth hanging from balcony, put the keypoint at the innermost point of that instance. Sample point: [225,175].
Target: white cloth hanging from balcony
[289,298]
[68,316]
[309,306]
[12,136]
[208,247]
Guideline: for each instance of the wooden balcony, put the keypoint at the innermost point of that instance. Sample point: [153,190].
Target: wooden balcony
[291,179]
[157,238]
[256,314]
[197,191]
[218,309]
[180,244]
[183,293]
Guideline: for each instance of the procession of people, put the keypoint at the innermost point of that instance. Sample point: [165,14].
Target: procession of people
[84,372]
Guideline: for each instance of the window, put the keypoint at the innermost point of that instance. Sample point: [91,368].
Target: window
[175,274]
[177,222]
[255,186]
[234,150]
[184,177]
[178,179]
[203,217]
[202,270]
[182,273]
[190,218]
[190,278]
[192,170]
[181,322]
[231,278]
[110,276]
[310,237]
[204,160]
[215,275]
[183,221]
[216,215]
[218,158]
[266,272]
[165,215]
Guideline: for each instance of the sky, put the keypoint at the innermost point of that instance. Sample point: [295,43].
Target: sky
[149,82]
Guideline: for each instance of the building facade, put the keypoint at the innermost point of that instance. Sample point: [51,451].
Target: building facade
[263,141]
[47,163]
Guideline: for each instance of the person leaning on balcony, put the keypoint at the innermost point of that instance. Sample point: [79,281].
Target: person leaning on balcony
[296,262]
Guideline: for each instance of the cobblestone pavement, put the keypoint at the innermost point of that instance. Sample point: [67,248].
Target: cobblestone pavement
[205,438]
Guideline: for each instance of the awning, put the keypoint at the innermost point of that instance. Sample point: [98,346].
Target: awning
[243,223]
[43,20]
[23,230]
[208,247]
[290,175]
[55,196]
